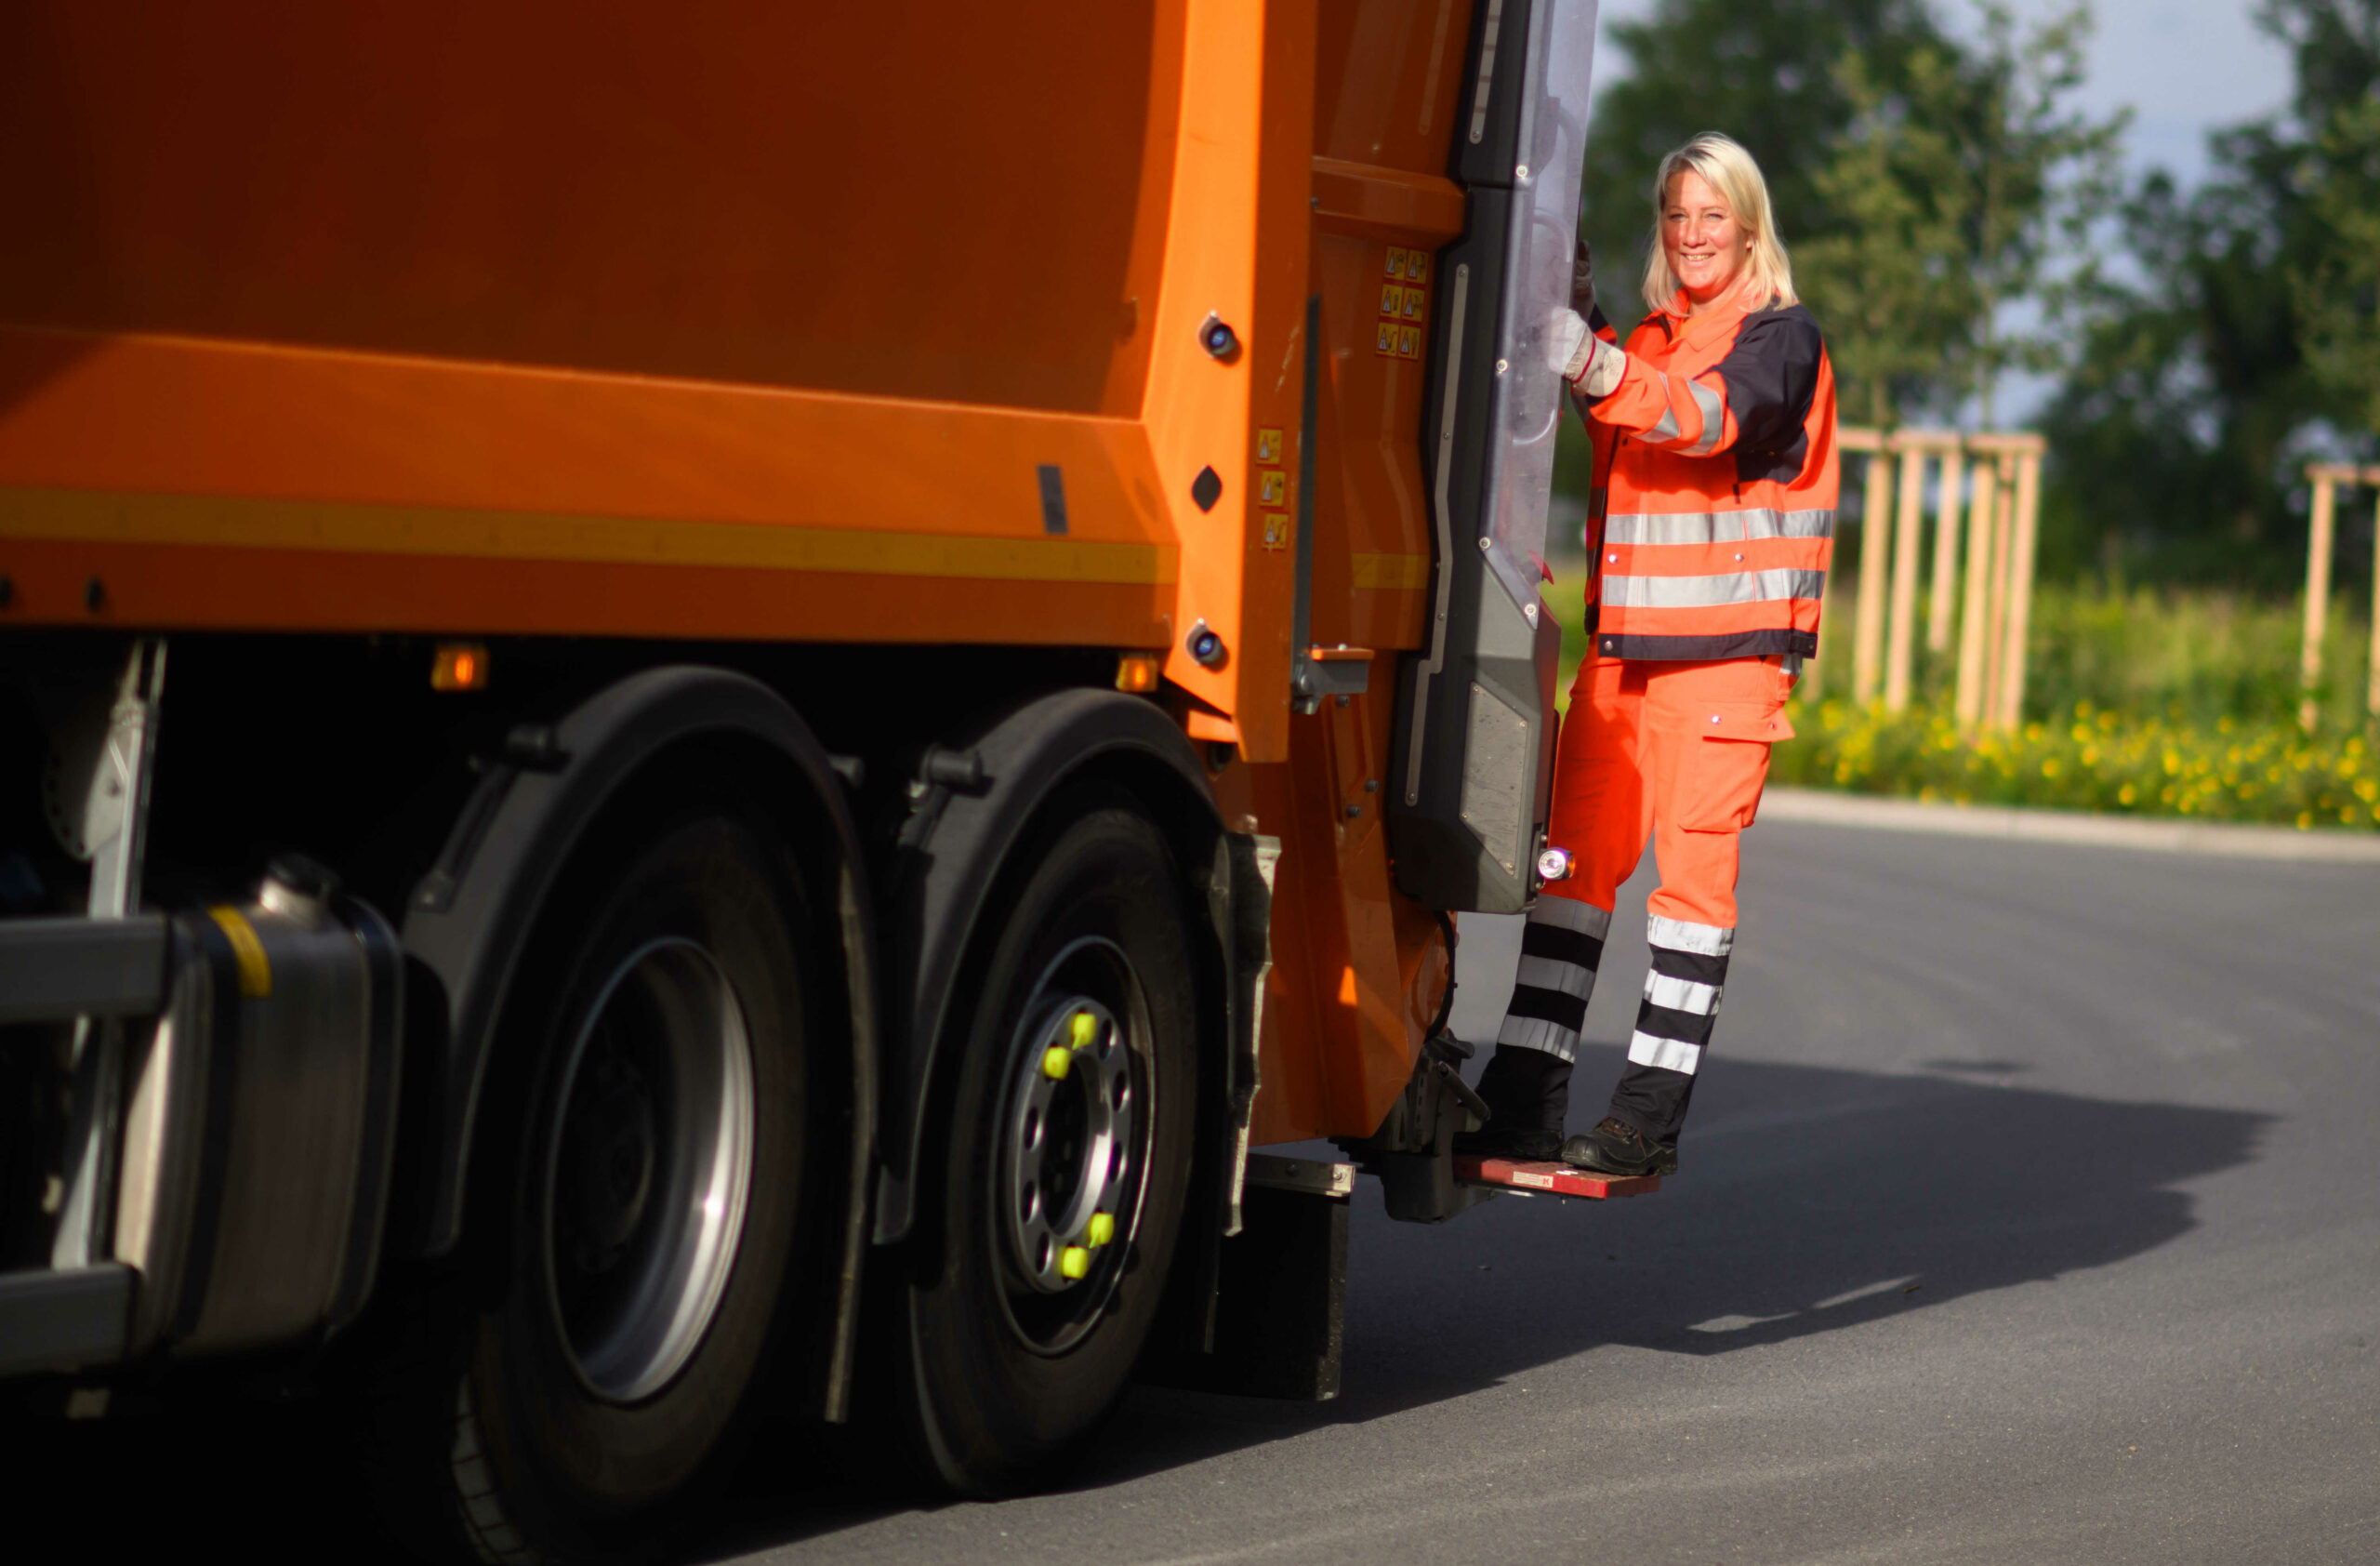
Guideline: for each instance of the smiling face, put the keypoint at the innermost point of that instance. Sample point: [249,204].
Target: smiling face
[1706,248]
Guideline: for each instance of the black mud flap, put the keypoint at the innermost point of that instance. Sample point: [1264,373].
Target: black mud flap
[1280,1300]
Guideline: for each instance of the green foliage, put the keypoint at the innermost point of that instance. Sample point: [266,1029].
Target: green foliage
[2144,702]
[2089,758]
[1921,183]
[2176,441]
[2039,172]
[1891,284]
[2196,656]
[2337,290]
[2149,702]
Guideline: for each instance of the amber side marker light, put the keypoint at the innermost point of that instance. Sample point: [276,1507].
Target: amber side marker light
[459,666]
[1136,673]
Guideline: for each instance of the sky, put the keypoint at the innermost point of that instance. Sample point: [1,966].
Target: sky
[2185,67]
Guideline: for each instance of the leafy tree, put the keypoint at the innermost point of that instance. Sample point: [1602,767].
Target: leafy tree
[2038,172]
[1890,282]
[1922,184]
[2336,288]
[2176,439]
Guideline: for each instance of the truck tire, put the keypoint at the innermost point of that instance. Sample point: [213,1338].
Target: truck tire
[1070,1127]
[638,1190]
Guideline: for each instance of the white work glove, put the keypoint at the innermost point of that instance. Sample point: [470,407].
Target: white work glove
[1588,363]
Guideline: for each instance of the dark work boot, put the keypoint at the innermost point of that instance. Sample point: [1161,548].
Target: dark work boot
[1616,1148]
[1529,1091]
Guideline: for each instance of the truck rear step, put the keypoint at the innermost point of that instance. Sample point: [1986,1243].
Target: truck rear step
[1557,1179]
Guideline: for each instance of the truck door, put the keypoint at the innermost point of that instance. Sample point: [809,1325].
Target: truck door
[1474,757]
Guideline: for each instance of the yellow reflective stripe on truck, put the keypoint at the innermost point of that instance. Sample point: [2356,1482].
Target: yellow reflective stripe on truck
[242,521]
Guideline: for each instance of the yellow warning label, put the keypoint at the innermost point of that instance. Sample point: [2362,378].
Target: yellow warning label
[1408,342]
[1396,253]
[1276,530]
[1392,300]
[1417,266]
[1387,340]
[1272,487]
[1414,300]
[255,969]
[1268,445]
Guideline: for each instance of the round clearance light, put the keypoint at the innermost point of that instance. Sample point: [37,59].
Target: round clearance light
[1554,865]
[1204,646]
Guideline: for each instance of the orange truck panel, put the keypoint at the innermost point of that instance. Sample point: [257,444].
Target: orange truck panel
[743,322]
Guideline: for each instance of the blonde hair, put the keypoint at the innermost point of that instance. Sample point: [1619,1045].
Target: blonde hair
[1729,170]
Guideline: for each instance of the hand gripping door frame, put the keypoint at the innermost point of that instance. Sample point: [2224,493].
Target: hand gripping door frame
[1475,713]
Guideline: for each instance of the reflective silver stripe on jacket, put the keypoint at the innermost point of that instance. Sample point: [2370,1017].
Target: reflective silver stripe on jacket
[1714,418]
[1703,592]
[1718,527]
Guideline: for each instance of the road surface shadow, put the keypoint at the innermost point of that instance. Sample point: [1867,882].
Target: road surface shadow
[1813,1200]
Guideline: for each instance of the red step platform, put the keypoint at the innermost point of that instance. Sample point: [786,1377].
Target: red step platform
[1555,1179]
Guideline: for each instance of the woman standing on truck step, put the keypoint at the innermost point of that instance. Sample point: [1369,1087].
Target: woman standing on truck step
[1709,532]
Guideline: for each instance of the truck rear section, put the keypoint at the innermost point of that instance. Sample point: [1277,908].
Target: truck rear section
[706,713]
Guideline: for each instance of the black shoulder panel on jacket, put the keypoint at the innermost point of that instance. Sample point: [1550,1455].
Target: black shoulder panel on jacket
[1772,374]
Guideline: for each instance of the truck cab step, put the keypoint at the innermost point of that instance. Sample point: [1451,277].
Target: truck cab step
[1554,1178]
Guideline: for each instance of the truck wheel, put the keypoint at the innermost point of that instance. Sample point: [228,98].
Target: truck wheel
[644,1180]
[1069,1155]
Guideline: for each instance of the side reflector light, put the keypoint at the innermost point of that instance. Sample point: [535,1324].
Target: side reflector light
[459,666]
[1136,673]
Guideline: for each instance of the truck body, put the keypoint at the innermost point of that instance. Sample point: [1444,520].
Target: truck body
[455,448]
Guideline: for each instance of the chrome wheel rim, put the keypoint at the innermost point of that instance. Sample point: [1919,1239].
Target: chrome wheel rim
[1078,1117]
[648,1169]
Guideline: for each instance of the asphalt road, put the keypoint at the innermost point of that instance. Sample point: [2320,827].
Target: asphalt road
[2029,1214]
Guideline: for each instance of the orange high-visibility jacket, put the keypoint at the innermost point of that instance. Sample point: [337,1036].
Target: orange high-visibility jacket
[1712,520]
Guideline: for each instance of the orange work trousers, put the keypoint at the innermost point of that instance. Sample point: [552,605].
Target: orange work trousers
[1677,753]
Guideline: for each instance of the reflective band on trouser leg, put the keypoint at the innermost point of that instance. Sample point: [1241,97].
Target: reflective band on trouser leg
[1561,949]
[1682,992]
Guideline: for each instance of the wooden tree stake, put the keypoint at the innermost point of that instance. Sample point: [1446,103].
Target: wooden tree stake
[2371,677]
[1908,529]
[1875,554]
[1995,636]
[2326,480]
[1945,551]
[1975,613]
[2022,553]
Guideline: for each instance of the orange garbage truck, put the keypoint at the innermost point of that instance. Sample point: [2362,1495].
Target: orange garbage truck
[707,709]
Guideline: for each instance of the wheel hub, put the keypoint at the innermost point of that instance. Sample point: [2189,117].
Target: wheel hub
[1073,1127]
[648,1169]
